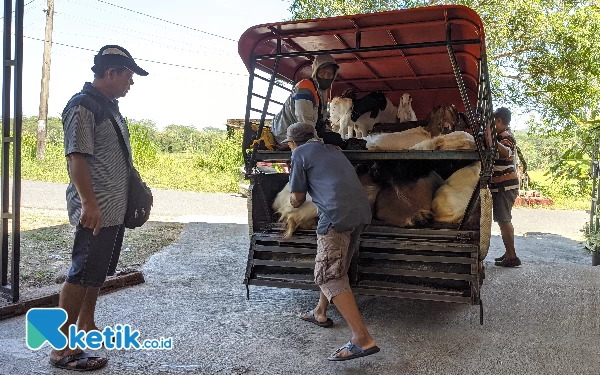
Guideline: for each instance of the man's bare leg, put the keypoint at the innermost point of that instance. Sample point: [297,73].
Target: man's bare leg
[71,300]
[320,311]
[346,305]
[508,237]
[86,321]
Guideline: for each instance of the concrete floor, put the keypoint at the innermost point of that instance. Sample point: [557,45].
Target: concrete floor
[539,319]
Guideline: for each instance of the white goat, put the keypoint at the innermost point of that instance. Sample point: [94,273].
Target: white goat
[405,111]
[339,114]
[441,120]
[397,141]
[451,199]
[303,217]
[458,140]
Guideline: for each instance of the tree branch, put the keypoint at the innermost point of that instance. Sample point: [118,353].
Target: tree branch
[509,54]
[518,77]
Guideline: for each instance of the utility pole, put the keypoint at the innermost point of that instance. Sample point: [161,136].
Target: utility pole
[45,91]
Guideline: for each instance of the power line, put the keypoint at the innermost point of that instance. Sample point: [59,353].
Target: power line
[167,21]
[120,29]
[23,7]
[170,77]
[152,42]
[140,59]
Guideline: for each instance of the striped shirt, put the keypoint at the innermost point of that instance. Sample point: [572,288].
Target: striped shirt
[504,176]
[89,131]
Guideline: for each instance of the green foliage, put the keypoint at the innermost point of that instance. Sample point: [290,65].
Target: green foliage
[52,169]
[565,193]
[565,160]
[207,160]
[592,237]
[143,147]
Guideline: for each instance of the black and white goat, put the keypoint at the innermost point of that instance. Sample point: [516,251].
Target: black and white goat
[350,115]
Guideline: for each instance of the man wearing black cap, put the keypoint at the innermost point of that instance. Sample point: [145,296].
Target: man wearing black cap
[505,187]
[326,174]
[97,193]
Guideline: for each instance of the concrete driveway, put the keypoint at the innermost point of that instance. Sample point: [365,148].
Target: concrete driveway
[539,319]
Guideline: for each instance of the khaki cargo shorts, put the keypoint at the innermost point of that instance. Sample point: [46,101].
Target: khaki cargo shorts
[334,255]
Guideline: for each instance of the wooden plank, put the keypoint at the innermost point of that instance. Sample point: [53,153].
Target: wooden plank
[411,245]
[281,263]
[285,249]
[417,258]
[296,239]
[283,284]
[407,287]
[110,285]
[415,273]
[412,295]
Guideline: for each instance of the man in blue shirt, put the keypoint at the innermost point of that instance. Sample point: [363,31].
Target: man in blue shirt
[324,172]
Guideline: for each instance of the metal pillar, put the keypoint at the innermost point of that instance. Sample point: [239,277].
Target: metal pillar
[11,141]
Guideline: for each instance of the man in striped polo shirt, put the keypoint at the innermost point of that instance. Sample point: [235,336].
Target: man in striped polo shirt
[505,187]
[97,193]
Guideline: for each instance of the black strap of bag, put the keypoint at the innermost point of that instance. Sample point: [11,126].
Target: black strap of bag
[139,200]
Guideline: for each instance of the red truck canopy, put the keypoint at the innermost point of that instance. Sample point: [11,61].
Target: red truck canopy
[422,68]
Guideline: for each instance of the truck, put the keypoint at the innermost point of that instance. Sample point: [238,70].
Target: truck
[436,54]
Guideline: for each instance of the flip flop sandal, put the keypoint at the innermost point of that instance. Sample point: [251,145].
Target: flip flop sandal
[356,351]
[312,319]
[82,359]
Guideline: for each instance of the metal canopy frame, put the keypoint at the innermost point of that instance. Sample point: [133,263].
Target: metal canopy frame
[368,48]
[11,138]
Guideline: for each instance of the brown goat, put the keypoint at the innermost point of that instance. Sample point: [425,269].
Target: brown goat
[408,204]
[442,120]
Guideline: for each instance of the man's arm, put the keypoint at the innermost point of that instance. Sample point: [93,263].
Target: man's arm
[297,199]
[78,126]
[503,151]
[91,216]
[305,102]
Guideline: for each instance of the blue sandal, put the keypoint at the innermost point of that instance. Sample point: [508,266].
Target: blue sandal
[356,351]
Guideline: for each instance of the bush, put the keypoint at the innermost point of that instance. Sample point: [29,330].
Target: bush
[207,160]
[144,149]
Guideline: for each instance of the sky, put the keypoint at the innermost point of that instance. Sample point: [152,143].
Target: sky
[209,86]
[209,90]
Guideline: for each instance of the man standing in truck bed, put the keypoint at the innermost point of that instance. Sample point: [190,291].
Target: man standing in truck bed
[324,172]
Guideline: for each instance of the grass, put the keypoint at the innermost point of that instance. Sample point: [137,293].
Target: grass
[561,193]
[47,240]
[211,171]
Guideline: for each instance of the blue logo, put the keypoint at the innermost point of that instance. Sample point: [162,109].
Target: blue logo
[43,325]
